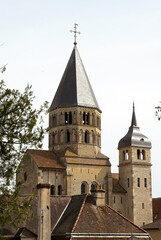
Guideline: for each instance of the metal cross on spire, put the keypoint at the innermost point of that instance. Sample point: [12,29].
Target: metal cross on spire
[75,33]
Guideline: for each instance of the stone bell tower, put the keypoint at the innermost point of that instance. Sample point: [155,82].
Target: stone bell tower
[135,174]
[75,117]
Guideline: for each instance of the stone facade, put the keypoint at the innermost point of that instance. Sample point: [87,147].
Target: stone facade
[75,127]
[135,177]
[74,163]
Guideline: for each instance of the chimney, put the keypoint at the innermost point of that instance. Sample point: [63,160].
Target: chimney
[44,214]
[98,195]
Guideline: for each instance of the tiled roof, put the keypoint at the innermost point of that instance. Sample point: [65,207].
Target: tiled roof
[68,152]
[68,220]
[95,219]
[156,208]
[82,218]
[77,215]
[58,204]
[101,156]
[117,188]
[154,225]
[45,159]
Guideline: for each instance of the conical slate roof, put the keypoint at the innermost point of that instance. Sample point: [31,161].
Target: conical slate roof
[134,137]
[74,88]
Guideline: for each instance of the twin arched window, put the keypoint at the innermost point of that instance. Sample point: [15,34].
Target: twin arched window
[52,190]
[141,154]
[85,187]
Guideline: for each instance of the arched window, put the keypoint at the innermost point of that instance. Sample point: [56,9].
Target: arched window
[84,118]
[86,137]
[138,182]
[98,122]
[59,190]
[138,154]
[70,117]
[52,190]
[66,118]
[94,185]
[68,136]
[123,155]
[126,155]
[93,119]
[143,155]
[54,120]
[88,116]
[84,188]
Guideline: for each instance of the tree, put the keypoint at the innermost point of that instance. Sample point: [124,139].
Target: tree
[21,127]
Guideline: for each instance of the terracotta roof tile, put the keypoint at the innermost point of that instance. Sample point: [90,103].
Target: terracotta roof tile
[101,156]
[88,161]
[79,212]
[95,219]
[45,159]
[68,152]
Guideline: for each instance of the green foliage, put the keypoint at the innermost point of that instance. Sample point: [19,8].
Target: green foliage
[21,127]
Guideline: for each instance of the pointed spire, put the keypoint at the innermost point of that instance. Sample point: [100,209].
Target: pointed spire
[74,88]
[133,121]
[134,137]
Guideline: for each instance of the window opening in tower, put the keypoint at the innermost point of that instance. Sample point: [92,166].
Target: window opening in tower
[84,118]
[68,136]
[86,137]
[66,118]
[70,118]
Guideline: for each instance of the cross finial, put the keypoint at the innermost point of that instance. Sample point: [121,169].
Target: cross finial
[133,105]
[75,33]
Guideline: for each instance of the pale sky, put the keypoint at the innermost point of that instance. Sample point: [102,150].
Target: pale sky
[120,45]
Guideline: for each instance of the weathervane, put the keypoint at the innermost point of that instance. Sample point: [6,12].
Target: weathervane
[75,33]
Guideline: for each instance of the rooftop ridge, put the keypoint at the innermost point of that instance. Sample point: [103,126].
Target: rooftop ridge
[81,209]
[125,218]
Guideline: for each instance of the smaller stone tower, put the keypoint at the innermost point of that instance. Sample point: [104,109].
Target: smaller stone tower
[135,173]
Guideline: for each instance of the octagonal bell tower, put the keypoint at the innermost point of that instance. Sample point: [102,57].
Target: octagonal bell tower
[75,117]
[135,173]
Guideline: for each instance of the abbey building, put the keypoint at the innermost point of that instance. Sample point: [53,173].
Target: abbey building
[74,163]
